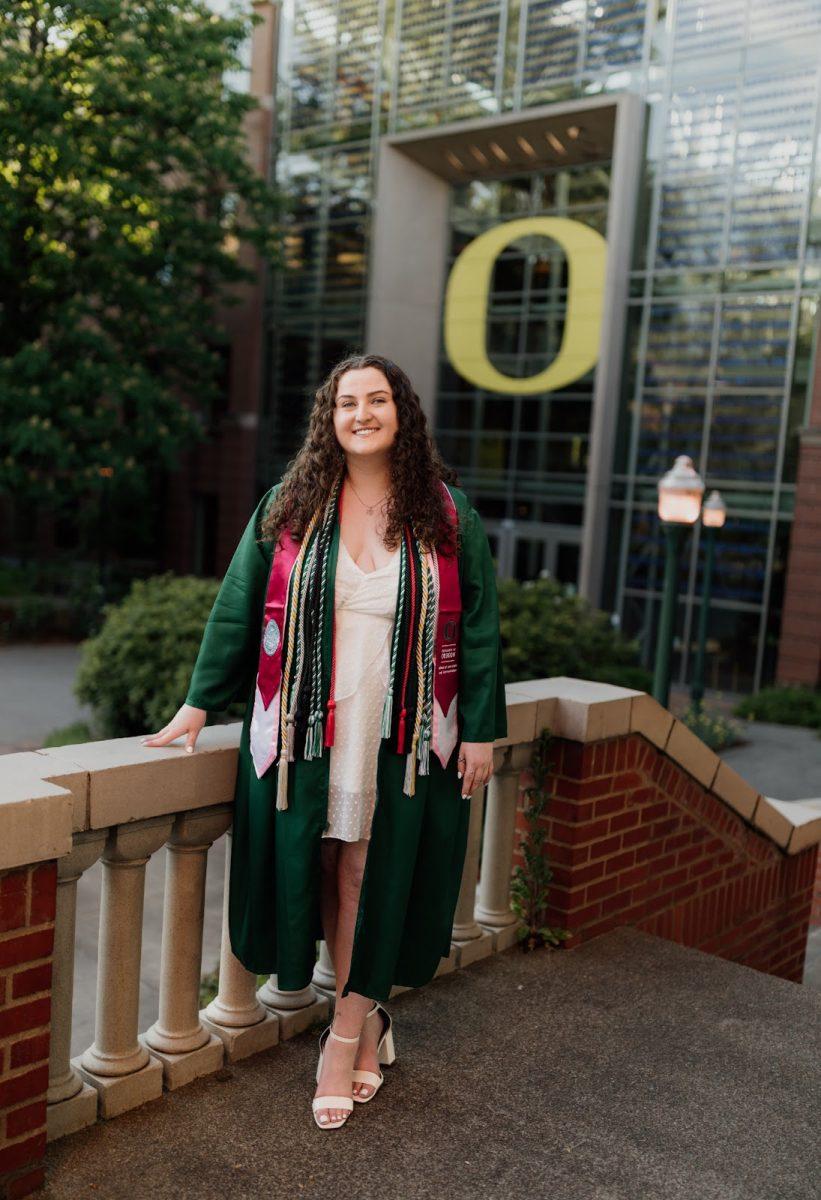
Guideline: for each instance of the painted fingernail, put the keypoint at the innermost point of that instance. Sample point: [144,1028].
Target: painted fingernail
[458,774]
[189,749]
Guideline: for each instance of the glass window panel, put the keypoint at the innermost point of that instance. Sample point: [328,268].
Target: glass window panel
[615,32]
[552,44]
[772,165]
[670,425]
[753,342]
[357,60]
[744,437]
[708,25]
[678,344]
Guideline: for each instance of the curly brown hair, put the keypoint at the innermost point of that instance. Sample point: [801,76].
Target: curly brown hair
[414,462]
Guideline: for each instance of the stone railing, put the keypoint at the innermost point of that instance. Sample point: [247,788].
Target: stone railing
[645,822]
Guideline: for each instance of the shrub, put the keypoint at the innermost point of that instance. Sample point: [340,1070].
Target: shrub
[714,729]
[70,735]
[783,706]
[135,672]
[547,630]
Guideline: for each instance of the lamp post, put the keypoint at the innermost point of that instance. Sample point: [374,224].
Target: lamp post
[713,515]
[679,503]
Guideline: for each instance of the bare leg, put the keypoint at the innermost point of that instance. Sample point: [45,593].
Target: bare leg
[349,1013]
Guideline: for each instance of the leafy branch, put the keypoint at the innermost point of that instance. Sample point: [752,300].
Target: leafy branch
[530,883]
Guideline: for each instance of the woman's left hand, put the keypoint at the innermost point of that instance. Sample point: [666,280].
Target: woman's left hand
[474,765]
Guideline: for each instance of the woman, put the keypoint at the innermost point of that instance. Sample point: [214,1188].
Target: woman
[371,633]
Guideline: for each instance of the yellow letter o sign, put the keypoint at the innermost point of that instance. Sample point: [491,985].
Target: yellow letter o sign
[468,290]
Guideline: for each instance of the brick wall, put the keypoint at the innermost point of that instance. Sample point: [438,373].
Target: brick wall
[634,840]
[815,915]
[27,903]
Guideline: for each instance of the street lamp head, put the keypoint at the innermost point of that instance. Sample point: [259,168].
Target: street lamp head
[680,492]
[714,510]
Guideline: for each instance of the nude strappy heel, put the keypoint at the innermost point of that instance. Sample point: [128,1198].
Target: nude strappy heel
[320,1102]
[385,1051]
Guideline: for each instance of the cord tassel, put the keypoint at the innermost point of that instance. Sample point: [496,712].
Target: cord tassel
[282,782]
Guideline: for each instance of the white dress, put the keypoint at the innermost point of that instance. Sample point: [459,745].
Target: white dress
[364,604]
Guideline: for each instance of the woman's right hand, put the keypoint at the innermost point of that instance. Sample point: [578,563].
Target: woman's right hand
[188,720]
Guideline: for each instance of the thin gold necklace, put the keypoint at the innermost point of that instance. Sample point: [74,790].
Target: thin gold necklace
[368,507]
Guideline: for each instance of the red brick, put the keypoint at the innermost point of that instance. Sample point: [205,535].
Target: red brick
[624,820]
[34,979]
[605,848]
[28,1015]
[20,1154]
[632,837]
[620,861]
[25,1184]
[30,1050]
[21,1087]
[580,916]
[12,910]
[27,1118]
[587,873]
[592,788]
[634,875]
[43,895]
[610,804]
[604,887]
[26,947]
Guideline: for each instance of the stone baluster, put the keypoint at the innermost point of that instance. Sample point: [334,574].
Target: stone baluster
[72,1103]
[121,1069]
[296,1010]
[186,1048]
[493,899]
[235,1014]
[471,942]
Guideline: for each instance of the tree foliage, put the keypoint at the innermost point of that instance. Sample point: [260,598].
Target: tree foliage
[126,192]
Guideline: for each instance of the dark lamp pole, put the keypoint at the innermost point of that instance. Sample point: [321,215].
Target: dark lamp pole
[713,515]
[679,503]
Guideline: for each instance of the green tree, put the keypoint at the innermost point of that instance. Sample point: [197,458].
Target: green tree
[126,195]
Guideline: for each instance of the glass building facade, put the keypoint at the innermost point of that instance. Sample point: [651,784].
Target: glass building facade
[724,278]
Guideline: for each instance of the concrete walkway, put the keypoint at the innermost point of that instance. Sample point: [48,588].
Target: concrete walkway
[630,1068]
[36,696]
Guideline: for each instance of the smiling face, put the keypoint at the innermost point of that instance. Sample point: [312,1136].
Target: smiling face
[365,414]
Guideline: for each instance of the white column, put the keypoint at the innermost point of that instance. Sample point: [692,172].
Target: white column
[72,1103]
[296,1010]
[465,928]
[235,1014]
[186,1048]
[116,1057]
[493,900]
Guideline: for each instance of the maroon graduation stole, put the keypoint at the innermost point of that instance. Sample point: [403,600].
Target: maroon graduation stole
[434,615]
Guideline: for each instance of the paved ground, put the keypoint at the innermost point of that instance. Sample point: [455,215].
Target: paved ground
[36,696]
[627,1069]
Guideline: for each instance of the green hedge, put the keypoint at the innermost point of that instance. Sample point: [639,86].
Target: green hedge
[135,672]
[783,706]
[547,630]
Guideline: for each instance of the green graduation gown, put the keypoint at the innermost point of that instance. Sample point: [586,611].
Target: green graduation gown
[416,852]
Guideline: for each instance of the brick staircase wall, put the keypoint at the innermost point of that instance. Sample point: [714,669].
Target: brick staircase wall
[27,907]
[633,839]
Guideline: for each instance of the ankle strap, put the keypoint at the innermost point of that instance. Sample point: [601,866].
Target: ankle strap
[339,1036]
